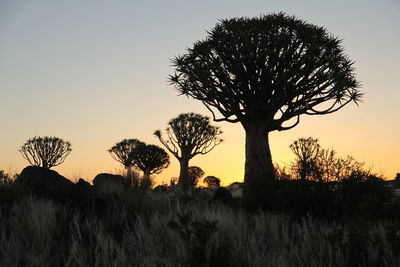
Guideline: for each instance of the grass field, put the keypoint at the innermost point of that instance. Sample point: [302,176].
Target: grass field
[163,229]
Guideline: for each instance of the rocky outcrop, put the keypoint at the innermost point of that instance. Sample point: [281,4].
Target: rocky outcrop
[110,183]
[45,183]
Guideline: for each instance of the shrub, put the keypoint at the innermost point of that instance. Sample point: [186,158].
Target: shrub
[212,181]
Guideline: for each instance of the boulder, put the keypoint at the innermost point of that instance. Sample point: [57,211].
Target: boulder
[46,183]
[110,183]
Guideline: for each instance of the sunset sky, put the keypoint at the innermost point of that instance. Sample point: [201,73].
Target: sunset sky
[95,72]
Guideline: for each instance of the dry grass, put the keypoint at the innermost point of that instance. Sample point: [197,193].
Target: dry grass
[135,230]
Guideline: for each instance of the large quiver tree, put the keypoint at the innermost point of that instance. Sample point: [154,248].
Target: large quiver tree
[189,135]
[265,72]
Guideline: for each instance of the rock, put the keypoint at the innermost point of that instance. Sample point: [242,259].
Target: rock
[110,183]
[45,183]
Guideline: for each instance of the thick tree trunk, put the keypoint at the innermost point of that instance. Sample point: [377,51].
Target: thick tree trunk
[184,174]
[259,174]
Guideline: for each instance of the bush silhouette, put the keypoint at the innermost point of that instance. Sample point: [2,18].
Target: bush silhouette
[212,181]
[307,151]
[195,173]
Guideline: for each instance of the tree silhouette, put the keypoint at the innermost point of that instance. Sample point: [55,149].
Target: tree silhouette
[150,159]
[318,164]
[307,152]
[4,177]
[265,72]
[45,151]
[212,181]
[124,152]
[330,167]
[195,173]
[189,135]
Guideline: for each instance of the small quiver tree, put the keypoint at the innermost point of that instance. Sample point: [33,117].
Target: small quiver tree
[189,135]
[212,181]
[45,151]
[195,173]
[150,159]
[307,152]
[265,72]
[124,152]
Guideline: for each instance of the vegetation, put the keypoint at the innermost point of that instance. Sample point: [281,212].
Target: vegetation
[265,73]
[5,178]
[314,216]
[315,163]
[161,229]
[307,151]
[189,135]
[212,181]
[195,173]
[324,210]
[125,152]
[150,159]
[45,151]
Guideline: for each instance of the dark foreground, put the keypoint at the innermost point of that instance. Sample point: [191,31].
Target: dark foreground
[162,228]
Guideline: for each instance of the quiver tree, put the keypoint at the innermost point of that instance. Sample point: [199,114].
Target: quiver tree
[212,181]
[307,151]
[266,72]
[45,151]
[124,152]
[195,173]
[189,135]
[150,159]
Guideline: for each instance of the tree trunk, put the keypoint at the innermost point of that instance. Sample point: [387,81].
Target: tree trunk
[130,178]
[146,182]
[184,174]
[259,174]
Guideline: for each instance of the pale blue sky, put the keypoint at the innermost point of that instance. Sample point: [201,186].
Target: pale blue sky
[95,72]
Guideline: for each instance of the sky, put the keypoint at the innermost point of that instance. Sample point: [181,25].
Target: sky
[95,72]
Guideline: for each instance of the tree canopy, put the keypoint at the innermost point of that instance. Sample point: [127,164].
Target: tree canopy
[151,159]
[45,151]
[195,173]
[212,181]
[125,151]
[276,64]
[190,134]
